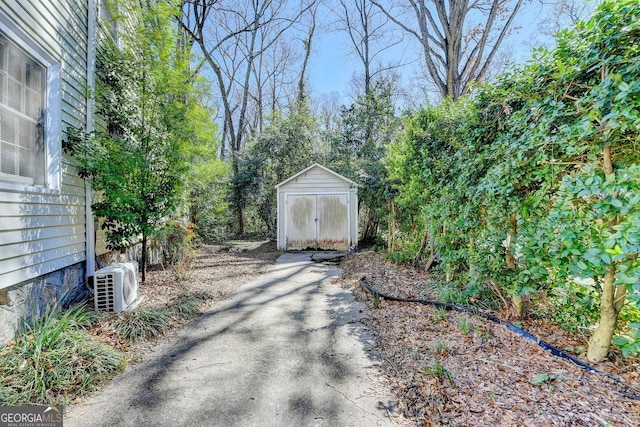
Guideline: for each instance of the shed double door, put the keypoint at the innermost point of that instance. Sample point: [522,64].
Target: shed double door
[317,221]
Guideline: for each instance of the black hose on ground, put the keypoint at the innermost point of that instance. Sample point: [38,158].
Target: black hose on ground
[625,390]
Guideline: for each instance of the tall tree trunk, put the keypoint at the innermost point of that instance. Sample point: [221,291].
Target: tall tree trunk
[448,275]
[459,39]
[193,212]
[612,298]
[423,246]
[470,251]
[611,303]
[308,43]
[391,208]
[143,259]
[237,195]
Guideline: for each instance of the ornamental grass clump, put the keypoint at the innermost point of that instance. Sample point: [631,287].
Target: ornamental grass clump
[143,324]
[53,360]
[188,305]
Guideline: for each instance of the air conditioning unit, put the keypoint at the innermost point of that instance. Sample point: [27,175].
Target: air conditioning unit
[115,287]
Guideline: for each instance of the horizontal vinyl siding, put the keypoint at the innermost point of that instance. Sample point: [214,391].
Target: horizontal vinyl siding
[315,180]
[37,19]
[41,232]
[36,222]
[53,263]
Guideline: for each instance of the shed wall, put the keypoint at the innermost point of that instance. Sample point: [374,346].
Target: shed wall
[317,181]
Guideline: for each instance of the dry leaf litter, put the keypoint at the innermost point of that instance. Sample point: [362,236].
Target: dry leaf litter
[444,368]
[450,368]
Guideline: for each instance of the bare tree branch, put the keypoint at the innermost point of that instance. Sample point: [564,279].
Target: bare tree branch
[459,38]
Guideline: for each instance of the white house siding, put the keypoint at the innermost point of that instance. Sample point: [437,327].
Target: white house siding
[44,231]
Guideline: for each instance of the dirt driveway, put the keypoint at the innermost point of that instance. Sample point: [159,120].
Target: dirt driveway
[286,349]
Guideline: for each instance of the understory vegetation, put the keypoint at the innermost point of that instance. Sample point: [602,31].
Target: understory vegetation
[530,189]
[62,358]
[520,196]
[523,195]
[59,357]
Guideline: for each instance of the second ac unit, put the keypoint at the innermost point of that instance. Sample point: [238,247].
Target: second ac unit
[115,287]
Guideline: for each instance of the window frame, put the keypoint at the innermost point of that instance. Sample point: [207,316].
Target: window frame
[52,111]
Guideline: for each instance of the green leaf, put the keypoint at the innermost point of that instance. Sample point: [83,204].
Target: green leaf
[616,250]
[619,340]
[539,379]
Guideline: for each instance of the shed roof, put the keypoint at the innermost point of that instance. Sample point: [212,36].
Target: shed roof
[317,165]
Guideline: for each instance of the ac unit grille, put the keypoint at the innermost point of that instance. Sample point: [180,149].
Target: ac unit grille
[105,292]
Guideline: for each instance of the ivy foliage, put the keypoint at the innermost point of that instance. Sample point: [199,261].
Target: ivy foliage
[534,182]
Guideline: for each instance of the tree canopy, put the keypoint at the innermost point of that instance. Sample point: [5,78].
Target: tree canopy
[136,160]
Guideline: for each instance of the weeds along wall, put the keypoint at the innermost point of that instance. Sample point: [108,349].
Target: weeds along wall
[535,181]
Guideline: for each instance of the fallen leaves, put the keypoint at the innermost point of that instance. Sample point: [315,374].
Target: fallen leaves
[446,369]
[216,269]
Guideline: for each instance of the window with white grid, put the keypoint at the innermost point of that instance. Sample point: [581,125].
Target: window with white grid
[22,108]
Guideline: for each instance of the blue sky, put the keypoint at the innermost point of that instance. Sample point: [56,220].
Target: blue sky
[331,68]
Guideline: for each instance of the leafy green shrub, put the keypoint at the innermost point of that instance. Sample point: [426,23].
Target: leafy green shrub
[574,306]
[629,344]
[53,360]
[536,179]
[406,252]
[143,324]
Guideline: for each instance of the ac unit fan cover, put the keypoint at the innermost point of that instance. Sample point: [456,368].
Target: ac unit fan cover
[130,282]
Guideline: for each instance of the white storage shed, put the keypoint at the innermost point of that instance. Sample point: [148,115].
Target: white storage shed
[317,209]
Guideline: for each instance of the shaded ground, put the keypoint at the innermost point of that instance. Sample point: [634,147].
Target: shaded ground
[215,269]
[285,348]
[444,368]
[449,368]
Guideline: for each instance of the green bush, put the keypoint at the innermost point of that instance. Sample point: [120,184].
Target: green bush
[535,180]
[574,306]
[629,344]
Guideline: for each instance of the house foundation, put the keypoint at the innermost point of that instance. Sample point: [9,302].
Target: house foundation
[30,299]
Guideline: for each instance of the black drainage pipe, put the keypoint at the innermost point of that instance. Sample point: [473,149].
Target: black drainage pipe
[623,389]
